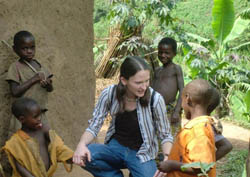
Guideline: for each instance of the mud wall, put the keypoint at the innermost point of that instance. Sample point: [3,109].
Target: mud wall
[63,31]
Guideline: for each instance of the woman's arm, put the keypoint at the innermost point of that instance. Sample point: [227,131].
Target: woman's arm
[161,121]
[166,148]
[82,152]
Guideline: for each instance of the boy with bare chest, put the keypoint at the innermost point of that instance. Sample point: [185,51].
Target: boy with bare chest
[168,81]
[34,150]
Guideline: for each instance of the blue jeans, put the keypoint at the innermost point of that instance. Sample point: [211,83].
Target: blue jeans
[107,160]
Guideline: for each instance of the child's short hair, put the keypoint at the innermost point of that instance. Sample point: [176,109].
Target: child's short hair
[21,35]
[214,100]
[21,107]
[169,41]
[200,91]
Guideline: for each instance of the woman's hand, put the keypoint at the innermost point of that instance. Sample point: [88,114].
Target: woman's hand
[158,173]
[81,155]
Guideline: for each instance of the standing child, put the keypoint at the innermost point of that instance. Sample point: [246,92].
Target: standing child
[195,142]
[168,81]
[34,150]
[27,77]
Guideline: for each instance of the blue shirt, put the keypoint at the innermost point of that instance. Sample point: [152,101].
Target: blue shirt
[150,127]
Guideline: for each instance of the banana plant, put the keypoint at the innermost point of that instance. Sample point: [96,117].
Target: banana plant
[209,58]
[225,28]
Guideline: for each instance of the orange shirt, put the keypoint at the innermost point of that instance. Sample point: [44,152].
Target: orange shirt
[194,143]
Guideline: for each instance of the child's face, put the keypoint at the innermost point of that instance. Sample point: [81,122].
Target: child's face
[185,105]
[25,49]
[165,53]
[32,121]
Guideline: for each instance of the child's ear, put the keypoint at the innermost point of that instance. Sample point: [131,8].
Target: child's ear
[21,119]
[189,100]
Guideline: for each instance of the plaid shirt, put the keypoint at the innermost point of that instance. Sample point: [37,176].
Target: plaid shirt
[149,127]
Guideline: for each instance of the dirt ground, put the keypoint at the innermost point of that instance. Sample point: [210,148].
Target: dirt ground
[238,136]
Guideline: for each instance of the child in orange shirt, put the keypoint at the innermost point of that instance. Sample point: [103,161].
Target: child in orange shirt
[195,142]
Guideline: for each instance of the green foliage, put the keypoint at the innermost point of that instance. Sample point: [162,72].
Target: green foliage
[240,25]
[134,45]
[205,167]
[131,14]
[101,25]
[223,19]
[196,15]
[153,19]
[245,14]
[244,174]
[227,75]
[240,104]
[221,68]
[234,166]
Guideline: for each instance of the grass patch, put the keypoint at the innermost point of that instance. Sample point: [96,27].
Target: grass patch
[233,165]
[197,12]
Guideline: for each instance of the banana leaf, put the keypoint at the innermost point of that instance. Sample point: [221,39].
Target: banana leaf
[239,26]
[223,19]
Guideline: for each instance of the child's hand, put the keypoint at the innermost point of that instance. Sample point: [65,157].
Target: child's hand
[166,166]
[39,76]
[69,161]
[46,82]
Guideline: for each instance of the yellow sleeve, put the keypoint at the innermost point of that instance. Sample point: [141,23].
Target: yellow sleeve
[201,149]
[63,153]
[12,163]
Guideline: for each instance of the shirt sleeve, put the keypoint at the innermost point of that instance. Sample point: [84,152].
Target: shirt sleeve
[161,121]
[13,74]
[100,112]
[63,152]
[217,136]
